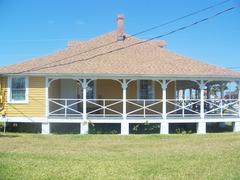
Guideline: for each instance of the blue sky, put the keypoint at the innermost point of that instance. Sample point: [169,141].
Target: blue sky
[33,28]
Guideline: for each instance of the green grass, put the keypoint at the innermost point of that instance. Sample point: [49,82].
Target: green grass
[34,156]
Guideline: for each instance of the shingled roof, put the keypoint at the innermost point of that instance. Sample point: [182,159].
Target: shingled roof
[145,59]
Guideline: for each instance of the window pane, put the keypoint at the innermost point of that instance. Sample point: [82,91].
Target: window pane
[146,89]
[18,83]
[18,95]
[18,89]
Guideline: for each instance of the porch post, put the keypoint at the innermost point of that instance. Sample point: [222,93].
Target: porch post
[236,125]
[124,123]
[84,124]
[46,125]
[164,125]
[201,127]
[222,124]
[45,128]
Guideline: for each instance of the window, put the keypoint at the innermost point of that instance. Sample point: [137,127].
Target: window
[145,89]
[18,89]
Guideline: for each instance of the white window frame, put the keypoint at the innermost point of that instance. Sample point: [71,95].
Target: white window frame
[9,90]
[138,88]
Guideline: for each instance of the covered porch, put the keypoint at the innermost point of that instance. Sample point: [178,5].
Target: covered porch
[143,100]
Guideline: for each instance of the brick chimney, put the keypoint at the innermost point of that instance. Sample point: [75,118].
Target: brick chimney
[120,31]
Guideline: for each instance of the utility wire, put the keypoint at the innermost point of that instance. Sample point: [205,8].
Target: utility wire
[134,44]
[180,18]
[140,32]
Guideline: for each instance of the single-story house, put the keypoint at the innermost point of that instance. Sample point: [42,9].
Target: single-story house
[116,78]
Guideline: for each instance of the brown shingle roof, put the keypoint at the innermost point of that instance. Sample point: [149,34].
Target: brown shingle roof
[149,58]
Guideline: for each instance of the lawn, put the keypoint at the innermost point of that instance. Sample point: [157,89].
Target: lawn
[34,156]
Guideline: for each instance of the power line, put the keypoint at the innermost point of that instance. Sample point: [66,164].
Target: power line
[134,44]
[180,18]
[140,32]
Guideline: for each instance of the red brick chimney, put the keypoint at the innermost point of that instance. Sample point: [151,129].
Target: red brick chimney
[120,31]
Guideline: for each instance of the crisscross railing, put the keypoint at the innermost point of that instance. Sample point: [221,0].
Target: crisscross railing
[104,107]
[144,107]
[221,107]
[183,107]
[65,107]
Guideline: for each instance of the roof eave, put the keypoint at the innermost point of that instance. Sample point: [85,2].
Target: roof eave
[133,76]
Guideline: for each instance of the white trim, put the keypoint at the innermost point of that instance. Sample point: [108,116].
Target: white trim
[130,76]
[46,97]
[154,78]
[113,120]
[9,91]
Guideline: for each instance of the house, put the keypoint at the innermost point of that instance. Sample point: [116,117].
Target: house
[115,78]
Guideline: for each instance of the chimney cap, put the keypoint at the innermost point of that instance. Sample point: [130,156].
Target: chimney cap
[120,16]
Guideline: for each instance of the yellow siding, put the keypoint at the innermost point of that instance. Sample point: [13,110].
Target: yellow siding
[36,105]
[3,96]
[109,89]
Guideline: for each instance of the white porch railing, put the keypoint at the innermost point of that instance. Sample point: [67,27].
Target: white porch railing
[222,107]
[144,108]
[65,107]
[183,107]
[104,107]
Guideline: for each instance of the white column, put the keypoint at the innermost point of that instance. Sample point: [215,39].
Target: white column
[236,127]
[164,125]
[222,124]
[124,123]
[45,128]
[84,124]
[202,87]
[201,127]
[4,123]
[46,125]
[164,129]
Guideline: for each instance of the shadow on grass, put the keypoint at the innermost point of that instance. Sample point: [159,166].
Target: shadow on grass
[8,136]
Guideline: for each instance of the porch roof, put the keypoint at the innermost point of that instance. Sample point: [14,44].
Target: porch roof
[144,59]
